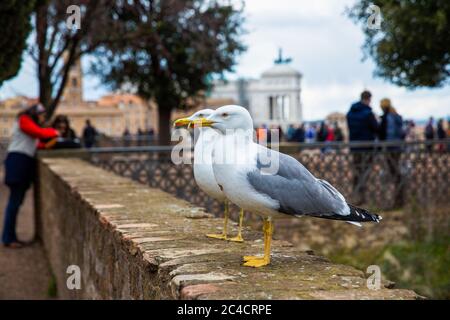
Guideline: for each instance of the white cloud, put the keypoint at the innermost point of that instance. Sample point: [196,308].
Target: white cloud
[326,48]
[320,100]
[297,8]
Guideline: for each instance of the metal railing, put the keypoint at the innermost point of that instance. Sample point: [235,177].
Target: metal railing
[127,141]
[381,175]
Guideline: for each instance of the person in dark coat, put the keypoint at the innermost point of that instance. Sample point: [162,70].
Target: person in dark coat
[391,129]
[67,137]
[429,133]
[362,126]
[89,135]
[290,132]
[62,124]
[299,134]
[338,134]
[362,123]
[323,132]
[126,135]
[441,134]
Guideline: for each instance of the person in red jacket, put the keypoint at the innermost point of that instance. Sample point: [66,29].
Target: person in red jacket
[20,165]
[330,134]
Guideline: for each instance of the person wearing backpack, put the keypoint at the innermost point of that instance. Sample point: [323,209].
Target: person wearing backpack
[363,127]
[391,129]
[429,133]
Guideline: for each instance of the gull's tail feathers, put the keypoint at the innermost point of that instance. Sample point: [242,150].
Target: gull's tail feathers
[355,216]
[362,215]
[358,224]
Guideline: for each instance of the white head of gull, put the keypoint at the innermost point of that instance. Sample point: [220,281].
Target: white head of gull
[203,170]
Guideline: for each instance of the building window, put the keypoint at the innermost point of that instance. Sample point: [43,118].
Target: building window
[279,107]
[285,108]
[74,82]
[271,107]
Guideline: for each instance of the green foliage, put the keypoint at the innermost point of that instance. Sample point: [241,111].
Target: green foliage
[412,48]
[56,47]
[422,266]
[169,50]
[15,25]
[52,289]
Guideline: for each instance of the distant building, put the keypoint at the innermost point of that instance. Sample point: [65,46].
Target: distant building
[9,109]
[73,91]
[136,113]
[273,99]
[111,114]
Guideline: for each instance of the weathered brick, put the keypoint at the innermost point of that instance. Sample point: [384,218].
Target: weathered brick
[134,242]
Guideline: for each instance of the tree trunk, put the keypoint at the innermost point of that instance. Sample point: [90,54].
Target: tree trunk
[164,113]
[45,90]
[49,93]
[45,85]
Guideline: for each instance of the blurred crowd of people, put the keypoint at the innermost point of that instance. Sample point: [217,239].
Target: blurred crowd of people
[142,137]
[32,131]
[314,132]
[363,125]
[67,138]
[309,132]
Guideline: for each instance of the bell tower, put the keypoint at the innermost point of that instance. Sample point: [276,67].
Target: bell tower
[73,91]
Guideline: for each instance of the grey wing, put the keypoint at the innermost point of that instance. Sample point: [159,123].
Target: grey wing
[297,191]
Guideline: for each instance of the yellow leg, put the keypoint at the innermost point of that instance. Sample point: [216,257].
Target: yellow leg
[222,236]
[239,238]
[257,262]
[248,258]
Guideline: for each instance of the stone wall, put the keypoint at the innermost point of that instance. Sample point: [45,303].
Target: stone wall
[134,242]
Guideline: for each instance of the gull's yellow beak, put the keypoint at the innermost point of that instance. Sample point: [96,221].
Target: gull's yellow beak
[203,122]
[182,122]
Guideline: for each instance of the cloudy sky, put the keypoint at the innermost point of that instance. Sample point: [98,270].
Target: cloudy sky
[326,48]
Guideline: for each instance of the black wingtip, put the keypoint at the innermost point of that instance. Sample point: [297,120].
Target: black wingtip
[362,215]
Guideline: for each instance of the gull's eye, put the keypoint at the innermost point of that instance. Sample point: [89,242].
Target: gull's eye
[200,115]
[225,115]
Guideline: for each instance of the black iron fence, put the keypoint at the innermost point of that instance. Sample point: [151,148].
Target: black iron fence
[379,175]
[127,141]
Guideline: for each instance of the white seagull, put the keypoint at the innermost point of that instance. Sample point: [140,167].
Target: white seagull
[203,170]
[248,179]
